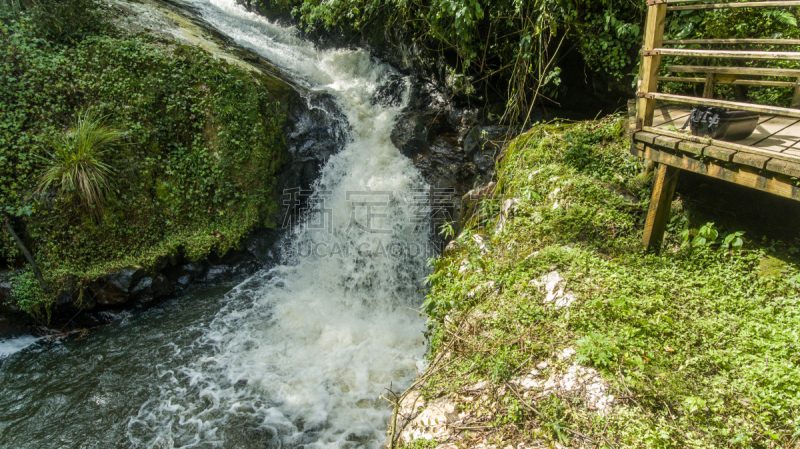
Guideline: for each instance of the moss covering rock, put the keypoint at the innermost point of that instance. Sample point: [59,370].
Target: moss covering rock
[196,169]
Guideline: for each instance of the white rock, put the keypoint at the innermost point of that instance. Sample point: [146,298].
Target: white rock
[485,287]
[566,353]
[555,290]
[481,241]
[505,214]
[429,423]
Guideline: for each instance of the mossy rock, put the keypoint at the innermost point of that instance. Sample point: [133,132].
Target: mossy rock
[771,268]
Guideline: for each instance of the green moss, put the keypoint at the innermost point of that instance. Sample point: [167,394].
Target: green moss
[770,267]
[196,170]
[697,344]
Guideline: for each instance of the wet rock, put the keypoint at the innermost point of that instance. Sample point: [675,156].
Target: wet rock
[262,245]
[106,317]
[104,293]
[126,279]
[191,271]
[316,130]
[151,288]
[410,135]
[219,273]
[391,92]
[7,302]
[246,268]
[486,138]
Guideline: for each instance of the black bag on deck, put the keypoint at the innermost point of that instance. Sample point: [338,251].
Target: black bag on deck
[721,123]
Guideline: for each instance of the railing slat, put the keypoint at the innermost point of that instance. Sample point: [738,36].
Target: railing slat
[756,71]
[760,108]
[765,83]
[732,41]
[730,54]
[774,4]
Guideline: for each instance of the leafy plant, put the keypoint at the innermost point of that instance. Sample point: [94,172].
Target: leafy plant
[597,349]
[76,162]
[733,240]
[29,295]
[706,235]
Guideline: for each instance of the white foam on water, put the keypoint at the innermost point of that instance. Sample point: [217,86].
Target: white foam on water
[301,354]
[13,345]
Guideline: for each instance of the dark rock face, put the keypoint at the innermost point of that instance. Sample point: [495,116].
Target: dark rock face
[451,146]
[127,278]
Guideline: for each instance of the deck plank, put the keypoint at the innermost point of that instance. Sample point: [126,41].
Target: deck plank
[678,119]
[767,128]
[668,113]
[781,139]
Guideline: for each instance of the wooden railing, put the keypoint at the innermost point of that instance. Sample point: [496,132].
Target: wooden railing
[654,47]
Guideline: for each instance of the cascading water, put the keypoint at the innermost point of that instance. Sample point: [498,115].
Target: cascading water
[299,355]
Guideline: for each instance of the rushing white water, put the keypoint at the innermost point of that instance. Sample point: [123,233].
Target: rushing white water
[301,354]
[13,345]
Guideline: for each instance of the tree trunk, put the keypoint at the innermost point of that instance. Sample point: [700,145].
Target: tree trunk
[26,253]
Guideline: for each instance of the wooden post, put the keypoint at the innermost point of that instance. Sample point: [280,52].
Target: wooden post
[648,75]
[711,81]
[663,190]
[796,99]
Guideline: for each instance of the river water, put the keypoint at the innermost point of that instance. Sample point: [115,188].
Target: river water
[297,355]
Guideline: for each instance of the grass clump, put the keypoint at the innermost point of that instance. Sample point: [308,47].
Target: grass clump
[696,345]
[76,162]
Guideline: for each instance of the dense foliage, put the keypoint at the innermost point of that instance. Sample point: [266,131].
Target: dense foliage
[508,47]
[698,345]
[195,168]
[516,50]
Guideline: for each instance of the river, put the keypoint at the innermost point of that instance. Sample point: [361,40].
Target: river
[297,355]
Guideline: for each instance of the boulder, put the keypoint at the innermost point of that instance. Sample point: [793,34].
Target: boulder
[125,279]
[151,288]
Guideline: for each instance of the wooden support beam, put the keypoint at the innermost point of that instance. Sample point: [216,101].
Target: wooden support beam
[730,54]
[779,183]
[708,90]
[648,74]
[740,82]
[722,144]
[796,98]
[761,109]
[731,5]
[732,41]
[755,71]
[658,214]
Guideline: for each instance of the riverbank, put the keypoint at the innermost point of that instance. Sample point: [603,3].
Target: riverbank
[550,326]
[196,171]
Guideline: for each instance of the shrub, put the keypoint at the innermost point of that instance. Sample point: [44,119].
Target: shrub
[76,164]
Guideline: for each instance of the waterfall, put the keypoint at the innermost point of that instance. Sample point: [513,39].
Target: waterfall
[301,353]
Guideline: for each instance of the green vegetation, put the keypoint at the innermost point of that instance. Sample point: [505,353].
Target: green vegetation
[699,345]
[506,47]
[76,161]
[516,50]
[194,169]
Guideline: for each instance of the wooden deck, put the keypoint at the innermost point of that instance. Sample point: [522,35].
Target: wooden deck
[768,160]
